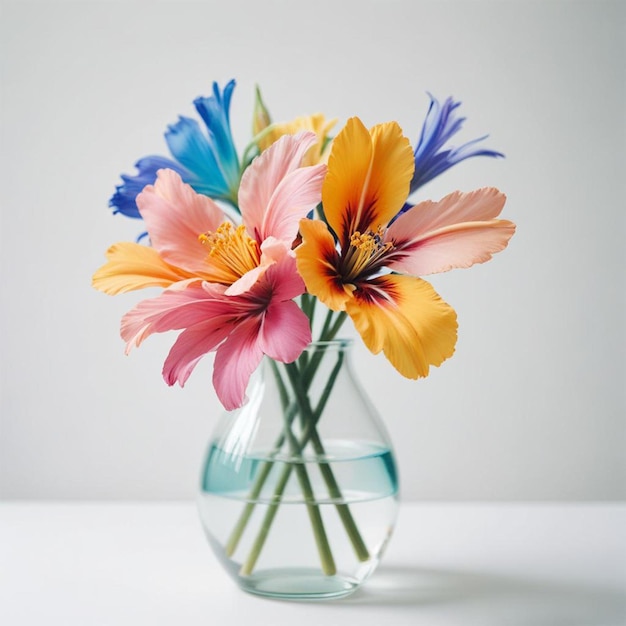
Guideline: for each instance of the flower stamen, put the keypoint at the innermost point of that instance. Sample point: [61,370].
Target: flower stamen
[232,253]
[364,253]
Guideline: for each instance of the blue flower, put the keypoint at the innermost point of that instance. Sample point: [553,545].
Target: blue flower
[208,162]
[123,200]
[439,126]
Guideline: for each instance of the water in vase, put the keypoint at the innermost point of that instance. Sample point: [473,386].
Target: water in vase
[264,516]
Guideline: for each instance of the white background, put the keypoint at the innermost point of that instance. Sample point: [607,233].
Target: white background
[532,405]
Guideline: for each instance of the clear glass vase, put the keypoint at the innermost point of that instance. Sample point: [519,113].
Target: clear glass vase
[299,489]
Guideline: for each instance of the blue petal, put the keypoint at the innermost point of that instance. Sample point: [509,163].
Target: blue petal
[215,112]
[209,163]
[123,200]
[439,126]
[191,148]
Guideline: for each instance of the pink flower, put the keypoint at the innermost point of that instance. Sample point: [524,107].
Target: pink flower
[230,288]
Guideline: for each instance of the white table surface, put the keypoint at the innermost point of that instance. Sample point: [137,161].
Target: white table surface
[119,564]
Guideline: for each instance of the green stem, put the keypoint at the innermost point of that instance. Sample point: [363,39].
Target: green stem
[250,562]
[328,333]
[290,412]
[343,509]
[318,529]
[341,318]
[253,145]
[309,368]
[326,326]
[264,472]
[312,307]
[334,491]
[315,516]
[317,524]
[242,522]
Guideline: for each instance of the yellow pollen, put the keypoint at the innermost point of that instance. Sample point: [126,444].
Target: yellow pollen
[232,253]
[365,242]
[365,250]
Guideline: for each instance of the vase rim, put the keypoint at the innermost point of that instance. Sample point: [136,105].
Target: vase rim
[342,342]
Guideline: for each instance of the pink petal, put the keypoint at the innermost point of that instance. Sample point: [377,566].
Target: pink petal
[277,270]
[285,331]
[172,310]
[175,215]
[456,232]
[260,179]
[286,283]
[479,205]
[247,281]
[456,247]
[272,251]
[239,327]
[235,361]
[296,195]
[192,344]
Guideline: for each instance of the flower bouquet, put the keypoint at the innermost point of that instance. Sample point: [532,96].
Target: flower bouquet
[299,488]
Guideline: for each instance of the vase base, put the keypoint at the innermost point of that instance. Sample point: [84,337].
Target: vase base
[298,584]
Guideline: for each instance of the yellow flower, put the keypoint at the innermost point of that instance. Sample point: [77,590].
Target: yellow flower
[318,152]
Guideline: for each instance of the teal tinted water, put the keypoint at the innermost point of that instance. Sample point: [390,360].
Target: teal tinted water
[363,472]
[366,485]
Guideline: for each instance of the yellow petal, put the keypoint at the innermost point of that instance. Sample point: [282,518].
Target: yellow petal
[368,177]
[317,123]
[349,165]
[133,266]
[405,318]
[392,171]
[317,259]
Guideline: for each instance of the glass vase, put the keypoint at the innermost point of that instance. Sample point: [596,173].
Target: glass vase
[299,489]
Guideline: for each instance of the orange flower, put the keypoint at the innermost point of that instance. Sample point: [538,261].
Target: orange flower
[352,263]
